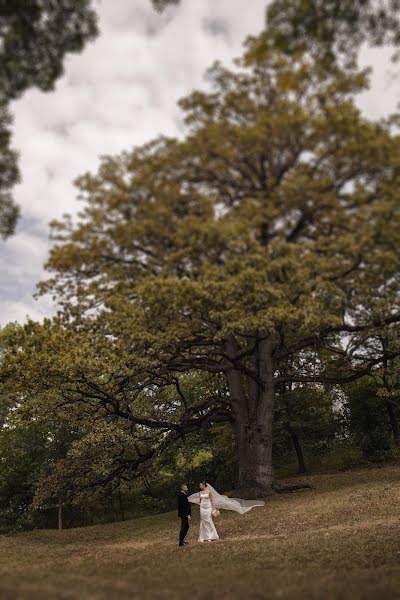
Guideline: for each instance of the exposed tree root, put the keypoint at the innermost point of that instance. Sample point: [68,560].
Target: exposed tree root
[288,489]
[252,493]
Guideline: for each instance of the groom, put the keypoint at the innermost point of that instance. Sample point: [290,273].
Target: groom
[185,513]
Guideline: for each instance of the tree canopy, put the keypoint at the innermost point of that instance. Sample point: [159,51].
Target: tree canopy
[338,28]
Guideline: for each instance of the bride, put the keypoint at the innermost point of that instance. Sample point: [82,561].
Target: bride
[210,501]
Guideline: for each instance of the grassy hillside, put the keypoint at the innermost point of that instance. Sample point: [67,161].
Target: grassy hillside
[340,541]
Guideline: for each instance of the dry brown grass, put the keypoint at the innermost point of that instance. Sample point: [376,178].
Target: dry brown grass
[341,541]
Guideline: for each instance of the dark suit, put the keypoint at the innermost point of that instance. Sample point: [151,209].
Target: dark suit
[184,511]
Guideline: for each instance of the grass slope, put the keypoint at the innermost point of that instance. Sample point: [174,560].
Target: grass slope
[341,541]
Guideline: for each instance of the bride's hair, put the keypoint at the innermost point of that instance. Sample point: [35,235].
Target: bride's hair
[203,483]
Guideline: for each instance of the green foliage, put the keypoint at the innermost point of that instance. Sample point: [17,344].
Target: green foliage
[306,413]
[387,380]
[22,458]
[369,423]
[160,5]
[33,453]
[35,36]
[9,175]
[208,455]
[336,28]
[28,450]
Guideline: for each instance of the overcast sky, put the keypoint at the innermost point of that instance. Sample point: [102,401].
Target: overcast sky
[120,92]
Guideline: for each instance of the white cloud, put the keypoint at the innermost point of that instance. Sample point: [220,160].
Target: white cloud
[120,92]
[382,98]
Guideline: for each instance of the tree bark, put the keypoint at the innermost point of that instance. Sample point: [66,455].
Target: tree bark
[298,449]
[113,509]
[392,416]
[253,412]
[121,504]
[294,437]
[393,423]
[60,514]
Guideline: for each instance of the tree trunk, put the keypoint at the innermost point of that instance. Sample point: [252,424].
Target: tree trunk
[147,485]
[294,437]
[298,450]
[392,416]
[113,510]
[254,446]
[393,423]
[60,514]
[253,412]
[121,504]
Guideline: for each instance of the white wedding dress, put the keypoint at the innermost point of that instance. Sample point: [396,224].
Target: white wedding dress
[207,527]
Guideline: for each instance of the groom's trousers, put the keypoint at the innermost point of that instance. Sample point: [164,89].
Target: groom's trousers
[184,529]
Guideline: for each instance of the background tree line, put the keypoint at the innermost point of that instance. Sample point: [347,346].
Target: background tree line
[315,429]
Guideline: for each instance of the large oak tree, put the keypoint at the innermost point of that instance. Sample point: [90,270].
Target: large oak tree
[266,237]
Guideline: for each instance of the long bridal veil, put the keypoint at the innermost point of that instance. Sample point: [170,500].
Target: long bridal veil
[237,504]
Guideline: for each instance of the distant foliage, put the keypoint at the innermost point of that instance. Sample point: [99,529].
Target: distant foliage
[337,27]
[9,175]
[35,37]
[160,5]
[305,424]
[369,423]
